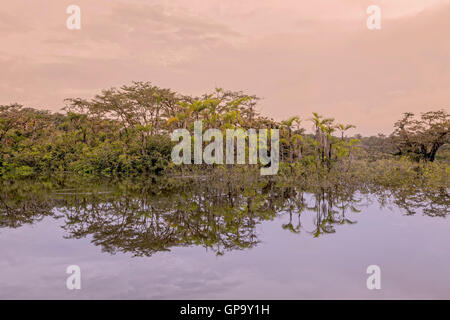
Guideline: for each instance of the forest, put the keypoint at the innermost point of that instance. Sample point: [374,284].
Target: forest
[125,132]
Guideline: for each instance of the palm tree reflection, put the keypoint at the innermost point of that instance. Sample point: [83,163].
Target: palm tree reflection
[218,214]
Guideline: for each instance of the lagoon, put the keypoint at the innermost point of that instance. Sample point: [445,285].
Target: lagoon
[209,240]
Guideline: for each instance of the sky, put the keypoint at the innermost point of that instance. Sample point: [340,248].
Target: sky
[297,56]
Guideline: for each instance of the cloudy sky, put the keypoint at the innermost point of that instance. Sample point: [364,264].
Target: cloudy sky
[299,56]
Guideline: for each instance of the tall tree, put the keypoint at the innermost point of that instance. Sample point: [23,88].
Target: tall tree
[421,138]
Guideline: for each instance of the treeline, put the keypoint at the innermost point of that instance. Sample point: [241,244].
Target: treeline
[126,131]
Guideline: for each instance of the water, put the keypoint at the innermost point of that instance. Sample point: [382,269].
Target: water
[197,240]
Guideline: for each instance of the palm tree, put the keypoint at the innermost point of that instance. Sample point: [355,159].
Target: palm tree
[288,124]
[342,128]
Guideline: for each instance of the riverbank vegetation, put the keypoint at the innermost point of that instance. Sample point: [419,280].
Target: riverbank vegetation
[103,167]
[125,132]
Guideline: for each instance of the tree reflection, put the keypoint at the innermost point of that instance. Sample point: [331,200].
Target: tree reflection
[433,203]
[220,214]
[21,205]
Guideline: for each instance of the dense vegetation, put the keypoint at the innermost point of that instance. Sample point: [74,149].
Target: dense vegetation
[126,132]
[68,165]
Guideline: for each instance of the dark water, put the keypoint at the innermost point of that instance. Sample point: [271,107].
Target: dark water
[207,239]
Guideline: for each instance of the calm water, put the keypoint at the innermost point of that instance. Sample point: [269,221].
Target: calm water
[208,240]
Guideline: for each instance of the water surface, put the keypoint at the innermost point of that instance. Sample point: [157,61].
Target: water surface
[213,240]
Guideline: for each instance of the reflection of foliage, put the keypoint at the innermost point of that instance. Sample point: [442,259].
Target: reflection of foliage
[217,216]
[331,208]
[20,205]
[433,204]
[421,187]
[219,212]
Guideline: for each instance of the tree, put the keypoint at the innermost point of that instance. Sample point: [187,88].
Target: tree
[291,138]
[342,128]
[422,138]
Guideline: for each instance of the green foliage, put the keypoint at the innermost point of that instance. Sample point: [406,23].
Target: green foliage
[125,132]
[421,138]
